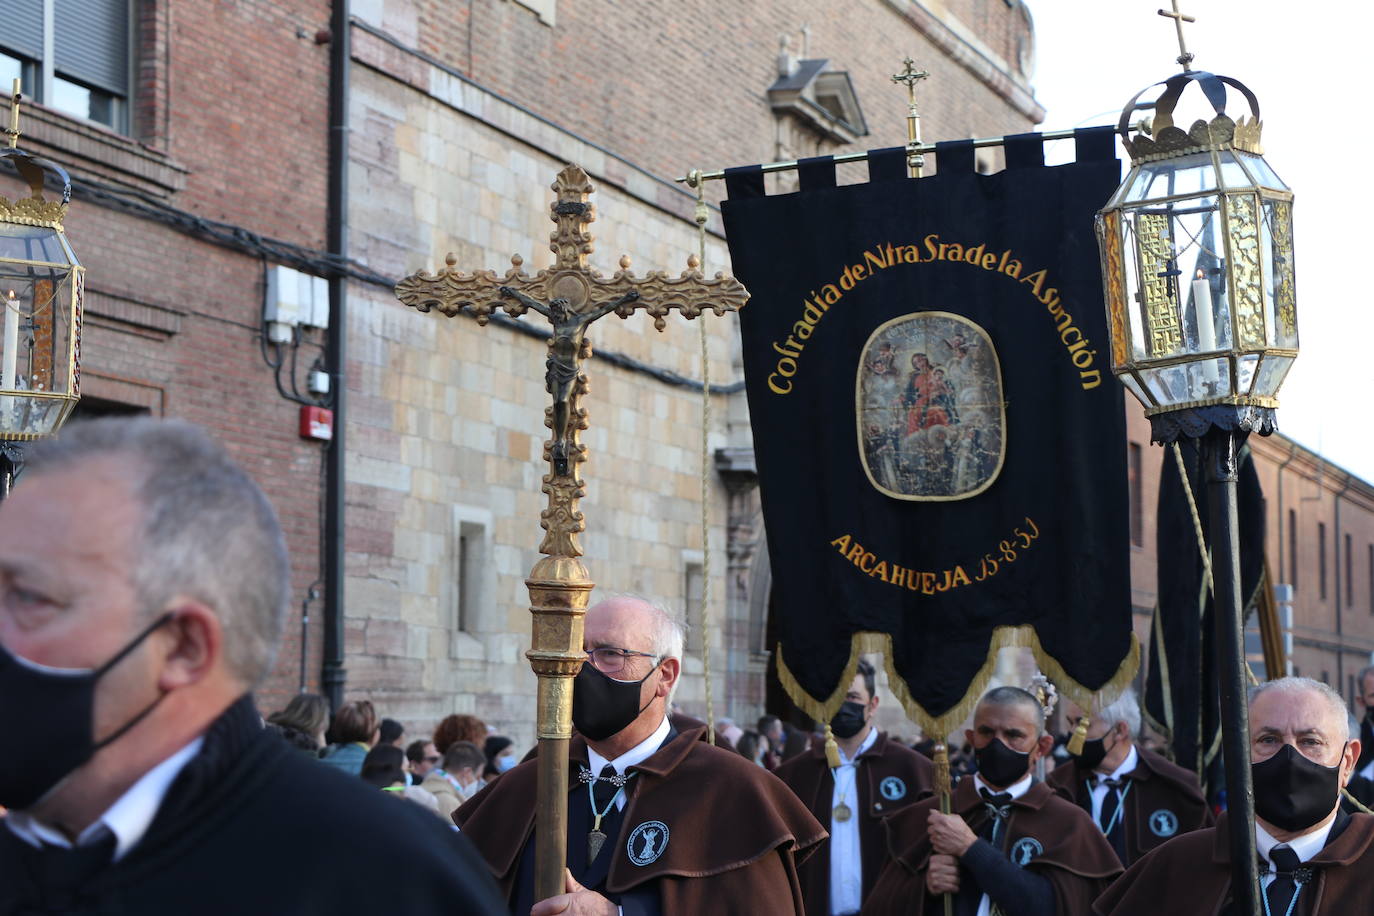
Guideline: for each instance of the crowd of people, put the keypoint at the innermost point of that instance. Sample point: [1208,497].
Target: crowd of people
[143,591]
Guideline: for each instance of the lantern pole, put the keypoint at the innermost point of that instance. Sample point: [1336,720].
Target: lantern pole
[1219,448]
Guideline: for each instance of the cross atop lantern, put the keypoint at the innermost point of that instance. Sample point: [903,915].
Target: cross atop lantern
[1197,261]
[40,290]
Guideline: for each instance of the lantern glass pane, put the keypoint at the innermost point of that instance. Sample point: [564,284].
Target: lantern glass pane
[1135,388]
[1171,385]
[1281,319]
[37,302]
[1133,293]
[1201,263]
[1261,170]
[1184,176]
[32,243]
[31,416]
[1208,378]
[1271,375]
[1232,174]
[1245,373]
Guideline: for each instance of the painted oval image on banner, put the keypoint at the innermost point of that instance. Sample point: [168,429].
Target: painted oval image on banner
[931,415]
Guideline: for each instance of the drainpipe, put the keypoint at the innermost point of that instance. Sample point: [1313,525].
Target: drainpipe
[333,676]
[1336,555]
[1283,519]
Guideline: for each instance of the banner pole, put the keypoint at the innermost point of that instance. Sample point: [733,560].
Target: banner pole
[942,781]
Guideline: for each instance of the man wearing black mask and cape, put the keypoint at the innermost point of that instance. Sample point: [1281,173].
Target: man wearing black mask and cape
[876,778]
[1011,845]
[1361,784]
[659,821]
[1316,859]
[1138,799]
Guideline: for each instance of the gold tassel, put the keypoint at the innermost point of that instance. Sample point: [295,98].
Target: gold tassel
[832,750]
[1080,735]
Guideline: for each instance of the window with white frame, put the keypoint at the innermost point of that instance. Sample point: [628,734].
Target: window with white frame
[72,55]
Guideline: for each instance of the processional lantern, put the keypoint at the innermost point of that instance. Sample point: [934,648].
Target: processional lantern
[1197,266]
[41,288]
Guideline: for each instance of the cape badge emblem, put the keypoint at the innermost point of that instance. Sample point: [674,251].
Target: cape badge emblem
[647,842]
[892,788]
[1024,850]
[1163,823]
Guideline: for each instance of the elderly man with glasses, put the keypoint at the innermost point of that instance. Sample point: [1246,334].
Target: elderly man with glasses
[659,821]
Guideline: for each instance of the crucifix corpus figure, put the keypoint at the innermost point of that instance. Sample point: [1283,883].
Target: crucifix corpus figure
[571,296]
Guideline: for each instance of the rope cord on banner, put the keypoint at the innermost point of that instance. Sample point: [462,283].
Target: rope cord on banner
[703,214]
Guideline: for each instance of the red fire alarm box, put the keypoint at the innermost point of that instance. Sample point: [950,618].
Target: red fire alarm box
[317,423]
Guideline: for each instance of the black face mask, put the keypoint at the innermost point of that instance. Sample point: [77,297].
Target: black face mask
[849,721]
[1094,752]
[999,765]
[603,706]
[53,708]
[1292,792]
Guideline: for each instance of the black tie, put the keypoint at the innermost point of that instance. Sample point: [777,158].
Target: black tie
[604,789]
[1283,888]
[1110,803]
[999,809]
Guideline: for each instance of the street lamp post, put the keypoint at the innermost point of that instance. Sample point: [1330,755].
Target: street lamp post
[41,285]
[1197,262]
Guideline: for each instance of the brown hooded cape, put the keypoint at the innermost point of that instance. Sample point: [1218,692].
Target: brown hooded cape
[1163,801]
[1072,853]
[889,777]
[1192,874]
[731,833]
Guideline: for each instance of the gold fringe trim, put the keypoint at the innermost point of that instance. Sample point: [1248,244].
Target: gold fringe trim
[937,727]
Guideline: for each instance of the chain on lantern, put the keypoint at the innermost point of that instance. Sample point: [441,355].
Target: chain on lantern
[41,288]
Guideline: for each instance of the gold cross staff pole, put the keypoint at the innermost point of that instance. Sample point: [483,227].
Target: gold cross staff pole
[570,296]
[1185,58]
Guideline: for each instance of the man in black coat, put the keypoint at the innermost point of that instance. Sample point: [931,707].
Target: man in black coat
[143,590]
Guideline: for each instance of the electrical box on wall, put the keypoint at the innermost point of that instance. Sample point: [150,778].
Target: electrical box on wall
[317,423]
[295,299]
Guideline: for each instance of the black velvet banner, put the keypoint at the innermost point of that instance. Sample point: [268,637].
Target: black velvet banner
[940,440]
[1182,691]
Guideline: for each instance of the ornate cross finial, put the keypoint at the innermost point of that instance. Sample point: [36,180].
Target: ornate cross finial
[915,161]
[1185,58]
[13,130]
[909,76]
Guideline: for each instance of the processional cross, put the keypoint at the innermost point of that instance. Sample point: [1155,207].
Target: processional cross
[1185,58]
[571,296]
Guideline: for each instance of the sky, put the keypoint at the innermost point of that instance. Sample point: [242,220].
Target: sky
[1307,66]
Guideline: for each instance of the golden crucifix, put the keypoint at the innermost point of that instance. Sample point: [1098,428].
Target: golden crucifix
[571,296]
[910,76]
[1185,59]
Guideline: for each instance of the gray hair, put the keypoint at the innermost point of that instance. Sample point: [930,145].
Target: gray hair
[1125,708]
[667,633]
[1015,696]
[1293,686]
[207,530]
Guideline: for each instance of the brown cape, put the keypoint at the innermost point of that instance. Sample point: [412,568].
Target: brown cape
[732,833]
[1059,837]
[890,776]
[1192,874]
[1163,801]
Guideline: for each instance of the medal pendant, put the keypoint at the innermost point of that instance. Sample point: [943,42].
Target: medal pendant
[842,812]
[595,840]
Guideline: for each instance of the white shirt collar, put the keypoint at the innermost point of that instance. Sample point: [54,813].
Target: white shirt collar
[1128,765]
[637,754]
[128,818]
[863,748]
[1015,790]
[1306,846]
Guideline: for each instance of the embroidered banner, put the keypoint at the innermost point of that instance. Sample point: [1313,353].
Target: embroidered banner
[940,441]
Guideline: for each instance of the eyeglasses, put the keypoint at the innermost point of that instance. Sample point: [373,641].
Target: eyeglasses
[611,660]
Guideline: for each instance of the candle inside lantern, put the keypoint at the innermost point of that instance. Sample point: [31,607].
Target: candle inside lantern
[1206,324]
[9,360]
